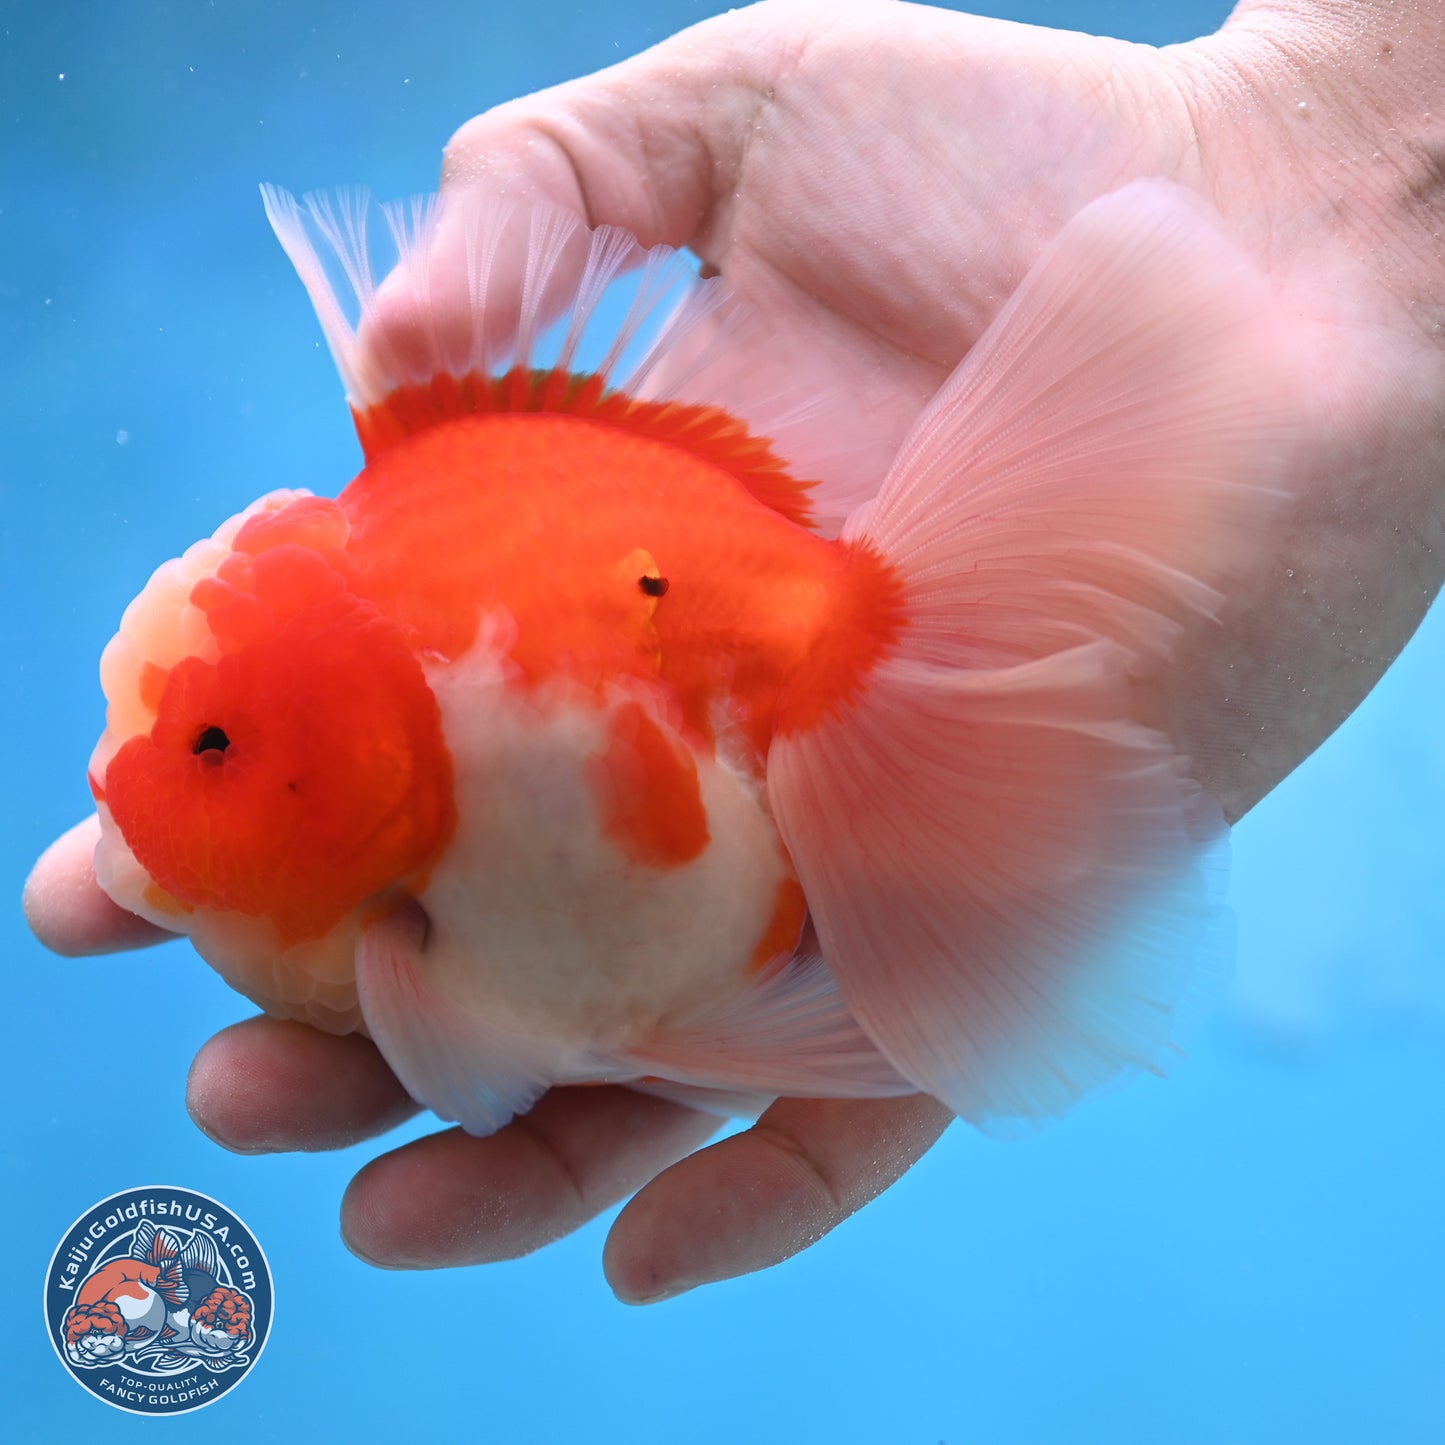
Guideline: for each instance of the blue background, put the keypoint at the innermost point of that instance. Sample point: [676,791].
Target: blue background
[1248,1252]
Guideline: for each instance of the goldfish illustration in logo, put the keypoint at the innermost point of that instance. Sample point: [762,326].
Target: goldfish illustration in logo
[161,1304]
[611,725]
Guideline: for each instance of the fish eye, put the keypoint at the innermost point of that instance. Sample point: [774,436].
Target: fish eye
[653,586]
[211,739]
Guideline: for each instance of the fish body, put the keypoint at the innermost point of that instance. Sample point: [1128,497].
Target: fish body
[575,741]
[119,1308]
[162,1298]
[614,863]
[127,1303]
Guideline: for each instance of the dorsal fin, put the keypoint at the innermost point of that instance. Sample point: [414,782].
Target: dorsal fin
[201,1254]
[707,432]
[496,306]
[145,1235]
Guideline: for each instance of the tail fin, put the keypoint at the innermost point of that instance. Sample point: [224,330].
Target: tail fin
[1003,864]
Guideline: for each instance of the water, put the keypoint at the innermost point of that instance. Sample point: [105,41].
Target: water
[1248,1252]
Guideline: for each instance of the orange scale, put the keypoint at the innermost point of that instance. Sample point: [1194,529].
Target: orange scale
[647,788]
[152,685]
[785,927]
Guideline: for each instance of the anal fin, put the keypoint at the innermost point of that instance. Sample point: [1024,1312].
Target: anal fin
[724,1103]
[787,1032]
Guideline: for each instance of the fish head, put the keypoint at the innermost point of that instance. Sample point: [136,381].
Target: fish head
[273,769]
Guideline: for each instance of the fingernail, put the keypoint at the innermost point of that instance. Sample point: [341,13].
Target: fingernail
[658,1294]
[253,1147]
[365,1258]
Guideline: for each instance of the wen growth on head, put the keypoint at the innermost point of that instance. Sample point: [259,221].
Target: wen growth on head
[607,727]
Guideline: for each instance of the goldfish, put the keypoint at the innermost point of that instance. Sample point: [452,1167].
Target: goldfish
[162,1297]
[603,729]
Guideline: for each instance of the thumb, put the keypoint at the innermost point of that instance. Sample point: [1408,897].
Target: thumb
[652,145]
[655,144]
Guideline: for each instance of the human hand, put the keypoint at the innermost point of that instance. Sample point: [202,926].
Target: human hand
[878,177]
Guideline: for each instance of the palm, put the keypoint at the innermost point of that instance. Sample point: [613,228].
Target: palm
[910,223]
[878,180]
[884,203]
[885,185]
[880,184]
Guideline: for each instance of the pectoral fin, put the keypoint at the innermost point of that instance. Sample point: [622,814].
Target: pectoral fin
[459,1066]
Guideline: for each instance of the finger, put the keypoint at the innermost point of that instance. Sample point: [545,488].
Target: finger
[580,147]
[757,1198]
[713,141]
[651,144]
[269,1084]
[451,1199]
[66,909]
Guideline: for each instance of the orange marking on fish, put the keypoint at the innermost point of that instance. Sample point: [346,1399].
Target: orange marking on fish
[785,927]
[152,684]
[164,902]
[304,772]
[117,1278]
[653,804]
[758,611]
[707,432]
[245,796]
